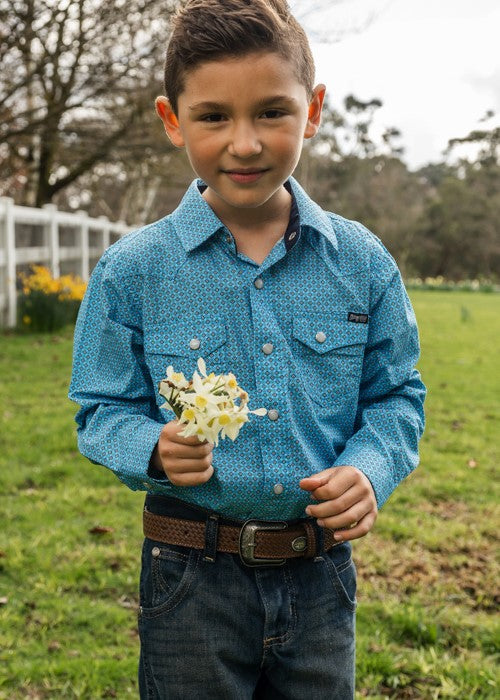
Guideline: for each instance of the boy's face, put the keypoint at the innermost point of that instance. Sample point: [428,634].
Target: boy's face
[242,121]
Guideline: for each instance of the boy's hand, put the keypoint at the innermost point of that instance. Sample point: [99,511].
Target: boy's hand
[348,501]
[185,461]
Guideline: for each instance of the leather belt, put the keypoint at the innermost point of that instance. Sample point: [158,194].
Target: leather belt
[258,542]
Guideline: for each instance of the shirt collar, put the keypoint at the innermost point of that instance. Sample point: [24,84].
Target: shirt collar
[195,222]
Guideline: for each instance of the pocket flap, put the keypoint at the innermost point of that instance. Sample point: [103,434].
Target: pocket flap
[322,336]
[167,339]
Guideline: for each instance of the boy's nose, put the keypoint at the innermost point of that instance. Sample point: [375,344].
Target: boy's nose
[244,141]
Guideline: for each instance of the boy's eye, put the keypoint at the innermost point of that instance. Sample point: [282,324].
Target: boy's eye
[212,117]
[273,113]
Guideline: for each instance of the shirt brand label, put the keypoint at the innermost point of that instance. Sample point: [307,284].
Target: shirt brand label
[357,318]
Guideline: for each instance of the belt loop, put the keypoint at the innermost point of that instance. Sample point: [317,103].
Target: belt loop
[320,540]
[211,536]
[312,540]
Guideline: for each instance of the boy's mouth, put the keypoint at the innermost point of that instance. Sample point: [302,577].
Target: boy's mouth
[245,175]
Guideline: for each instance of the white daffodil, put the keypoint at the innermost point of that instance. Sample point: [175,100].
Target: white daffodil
[208,404]
[232,428]
[202,366]
[176,378]
[259,411]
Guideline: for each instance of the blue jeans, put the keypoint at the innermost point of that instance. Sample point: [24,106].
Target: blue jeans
[224,631]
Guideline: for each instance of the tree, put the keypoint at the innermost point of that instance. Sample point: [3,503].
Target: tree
[77,79]
[459,232]
[358,174]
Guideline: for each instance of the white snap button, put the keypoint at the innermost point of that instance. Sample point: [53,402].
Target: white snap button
[273,414]
[278,488]
[292,235]
[194,343]
[267,348]
[320,337]
[145,484]
[155,552]
[258,283]
[229,238]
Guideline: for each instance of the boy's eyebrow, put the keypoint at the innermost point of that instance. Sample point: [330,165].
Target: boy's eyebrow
[217,106]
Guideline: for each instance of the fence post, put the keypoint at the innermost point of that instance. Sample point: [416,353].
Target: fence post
[10,261]
[84,244]
[105,233]
[52,237]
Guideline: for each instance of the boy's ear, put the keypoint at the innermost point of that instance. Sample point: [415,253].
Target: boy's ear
[170,122]
[314,114]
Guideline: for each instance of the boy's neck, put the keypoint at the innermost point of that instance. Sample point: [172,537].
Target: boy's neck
[275,213]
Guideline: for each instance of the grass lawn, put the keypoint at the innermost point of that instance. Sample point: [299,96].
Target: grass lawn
[427,573]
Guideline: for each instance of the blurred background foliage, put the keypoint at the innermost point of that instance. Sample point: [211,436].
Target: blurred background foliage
[78,128]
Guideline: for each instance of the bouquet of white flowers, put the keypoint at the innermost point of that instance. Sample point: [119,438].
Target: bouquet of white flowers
[208,404]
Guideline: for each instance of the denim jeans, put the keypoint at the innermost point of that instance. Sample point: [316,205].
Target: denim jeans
[224,631]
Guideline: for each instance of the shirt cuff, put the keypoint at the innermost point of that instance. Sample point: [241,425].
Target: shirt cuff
[154,473]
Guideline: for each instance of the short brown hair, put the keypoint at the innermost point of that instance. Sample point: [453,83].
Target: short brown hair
[205,30]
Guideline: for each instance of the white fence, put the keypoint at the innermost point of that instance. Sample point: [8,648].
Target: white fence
[63,242]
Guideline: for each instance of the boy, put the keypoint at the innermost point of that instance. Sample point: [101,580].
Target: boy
[247,583]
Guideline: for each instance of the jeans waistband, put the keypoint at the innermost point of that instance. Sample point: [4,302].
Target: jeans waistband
[176,508]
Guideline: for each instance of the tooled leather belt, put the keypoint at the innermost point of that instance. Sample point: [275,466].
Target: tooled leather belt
[259,543]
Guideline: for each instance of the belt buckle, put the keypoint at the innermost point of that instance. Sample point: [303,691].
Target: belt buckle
[247,542]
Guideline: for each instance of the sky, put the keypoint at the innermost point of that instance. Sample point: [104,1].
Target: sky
[435,64]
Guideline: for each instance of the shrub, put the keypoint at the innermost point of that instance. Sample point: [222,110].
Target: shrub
[47,303]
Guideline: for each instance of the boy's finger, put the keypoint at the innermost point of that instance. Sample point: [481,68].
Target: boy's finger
[350,517]
[311,483]
[191,440]
[361,528]
[338,483]
[179,465]
[192,451]
[191,478]
[335,506]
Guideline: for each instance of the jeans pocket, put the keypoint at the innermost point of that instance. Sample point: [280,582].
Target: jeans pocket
[342,572]
[167,574]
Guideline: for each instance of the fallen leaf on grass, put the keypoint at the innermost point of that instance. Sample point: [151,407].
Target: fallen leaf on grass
[100,530]
[128,603]
[472,464]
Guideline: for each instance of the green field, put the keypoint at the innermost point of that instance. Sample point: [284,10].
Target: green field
[427,573]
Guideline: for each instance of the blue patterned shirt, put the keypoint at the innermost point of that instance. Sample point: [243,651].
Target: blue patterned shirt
[322,334]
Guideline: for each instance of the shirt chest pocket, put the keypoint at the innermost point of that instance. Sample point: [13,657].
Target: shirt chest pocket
[328,357]
[181,346]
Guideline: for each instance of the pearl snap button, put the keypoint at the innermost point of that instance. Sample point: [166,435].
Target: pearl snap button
[278,488]
[267,348]
[292,235]
[320,337]
[155,551]
[194,343]
[273,414]
[258,283]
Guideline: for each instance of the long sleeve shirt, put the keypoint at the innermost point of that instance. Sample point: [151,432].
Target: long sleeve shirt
[322,334]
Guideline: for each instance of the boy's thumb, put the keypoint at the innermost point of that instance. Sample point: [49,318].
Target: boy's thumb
[310,483]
